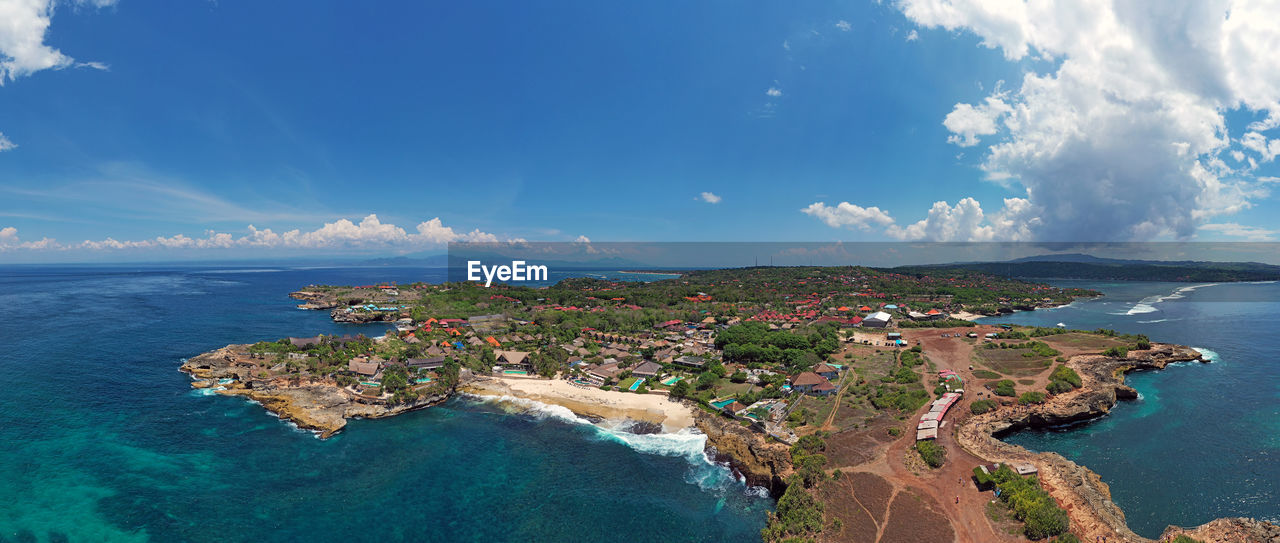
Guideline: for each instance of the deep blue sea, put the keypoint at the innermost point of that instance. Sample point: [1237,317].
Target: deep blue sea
[102,439]
[1203,441]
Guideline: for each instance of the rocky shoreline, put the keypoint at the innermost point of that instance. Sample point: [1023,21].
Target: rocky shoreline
[318,405]
[761,462]
[1081,491]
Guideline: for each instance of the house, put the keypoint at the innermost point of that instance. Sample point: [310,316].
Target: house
[362,366]
[493,342]
[297,356]
[304,342]
[827,371]
[734,408]
[824,389]
[879,319]
[514,360]
[648,369]
[690,361]
[934,314]
[433,363]
[600,373]
[806,381]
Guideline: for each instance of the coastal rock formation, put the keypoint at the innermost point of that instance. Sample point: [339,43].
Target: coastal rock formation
[319,405]
[342,314]
[761,462]
[1078,489]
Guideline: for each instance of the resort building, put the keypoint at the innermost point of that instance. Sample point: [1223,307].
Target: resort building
[879,319]
[514,361]
[648,370]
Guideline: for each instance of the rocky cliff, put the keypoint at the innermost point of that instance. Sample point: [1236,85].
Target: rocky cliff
[1079,490]
[762,462]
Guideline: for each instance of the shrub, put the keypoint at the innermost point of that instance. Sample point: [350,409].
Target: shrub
[982,406]
[810,468]
[1066,538]
[1031,504]
[1058,387]
[1184,538]
[986,374]
[933,454]
[1143,345]
[806,445]
[738,377]
[1031,397]
[1004,388]
[895,431]
[798,514]
[1066,374]
[1116,352]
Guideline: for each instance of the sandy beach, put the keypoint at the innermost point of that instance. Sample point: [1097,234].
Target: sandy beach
[965,315]
[594,402]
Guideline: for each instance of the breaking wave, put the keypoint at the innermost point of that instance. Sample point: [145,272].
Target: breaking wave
[1147,305]
[1211,356]
[687,443]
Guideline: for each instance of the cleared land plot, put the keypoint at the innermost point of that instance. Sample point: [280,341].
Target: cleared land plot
[854,448]
[1011,361]
[1081,342]
[860,501]
[911,520]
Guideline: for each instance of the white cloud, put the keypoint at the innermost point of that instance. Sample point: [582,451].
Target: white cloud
[964,221]
[369,233]
[23,25]
[5,143]
[913,35]
[1119,136]
[1248,233]
[709,198]
[846,214]
[582,239]
[844,25]
[774,92]
[967,122]
[786,45]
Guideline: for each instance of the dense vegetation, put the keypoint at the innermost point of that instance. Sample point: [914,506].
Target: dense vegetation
[797,517]
[932,453]
[1031,504]
[982,406]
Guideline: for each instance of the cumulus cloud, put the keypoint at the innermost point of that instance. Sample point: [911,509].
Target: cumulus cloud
[913,35]
[846,214]
[844,25]
[369,233]
[709,197]
[965,221]
[967,122]
[774,92]
[1119,137]
[5,144]
[22,33]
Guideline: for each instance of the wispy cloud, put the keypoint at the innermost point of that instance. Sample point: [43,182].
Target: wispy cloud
[5,143]
[1245,232]
[709,197]
[913,35]
[844,25]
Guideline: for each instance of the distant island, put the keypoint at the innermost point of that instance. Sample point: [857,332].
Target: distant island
[857,396]
[1104,269]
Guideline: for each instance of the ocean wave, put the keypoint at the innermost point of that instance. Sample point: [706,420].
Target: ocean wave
[1147,305]
[249,270]
[687,443]
[1211,356]
[1152,322]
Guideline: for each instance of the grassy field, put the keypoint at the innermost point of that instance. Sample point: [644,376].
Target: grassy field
[1011,361]
[1085,342]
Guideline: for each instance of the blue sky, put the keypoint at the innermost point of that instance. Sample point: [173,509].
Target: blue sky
[191,121]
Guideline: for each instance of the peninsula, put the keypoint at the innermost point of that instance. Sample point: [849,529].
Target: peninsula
[858,397]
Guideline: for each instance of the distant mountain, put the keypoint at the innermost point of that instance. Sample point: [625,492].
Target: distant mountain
[430,261]
[1081,266]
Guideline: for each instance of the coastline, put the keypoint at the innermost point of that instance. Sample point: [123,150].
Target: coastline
[655,408]
[1076,487]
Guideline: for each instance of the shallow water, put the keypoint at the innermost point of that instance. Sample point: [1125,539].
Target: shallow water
[102,439]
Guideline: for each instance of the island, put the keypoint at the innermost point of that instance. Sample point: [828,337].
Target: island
[864,399]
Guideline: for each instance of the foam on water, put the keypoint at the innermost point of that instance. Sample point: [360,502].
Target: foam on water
[1211,356]
[687,443]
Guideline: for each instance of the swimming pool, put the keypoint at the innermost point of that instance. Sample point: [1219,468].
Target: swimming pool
[636,385]
[515,372]
[720,404]
[671,380]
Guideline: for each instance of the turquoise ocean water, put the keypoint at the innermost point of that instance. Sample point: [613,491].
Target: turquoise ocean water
[1203,441]
[102,439]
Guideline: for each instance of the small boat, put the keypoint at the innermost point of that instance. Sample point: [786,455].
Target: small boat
[1062,325]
